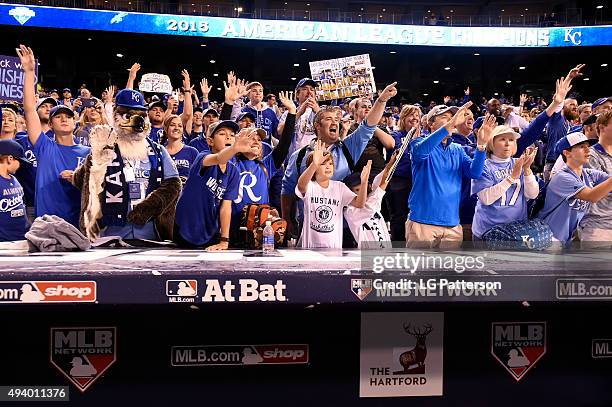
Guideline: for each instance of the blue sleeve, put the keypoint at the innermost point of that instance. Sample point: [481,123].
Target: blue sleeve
[205,105]
[564,186]
[291,176]
[485,181]
[356,141]
[422,147]
[466,98]
[233,180]
[42,145]
[180,107]
[472,168]
[532,133]
[597,176]
[556,131]
[170,170]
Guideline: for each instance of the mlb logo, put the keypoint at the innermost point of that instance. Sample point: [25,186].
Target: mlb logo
[181,288]
[83,354]
[518,346]
[361,287]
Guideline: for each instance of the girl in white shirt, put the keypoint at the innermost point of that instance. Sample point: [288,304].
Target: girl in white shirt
[324,200]
[368,224]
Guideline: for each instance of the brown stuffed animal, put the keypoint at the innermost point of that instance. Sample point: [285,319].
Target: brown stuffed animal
[128,138]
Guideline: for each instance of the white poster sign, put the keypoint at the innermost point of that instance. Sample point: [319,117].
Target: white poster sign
[343,77]
[156,83]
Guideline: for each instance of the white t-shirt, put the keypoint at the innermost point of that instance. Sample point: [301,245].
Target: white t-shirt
[367,224]
[323,214]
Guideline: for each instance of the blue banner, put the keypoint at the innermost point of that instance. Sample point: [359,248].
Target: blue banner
[11,78]
[283,30]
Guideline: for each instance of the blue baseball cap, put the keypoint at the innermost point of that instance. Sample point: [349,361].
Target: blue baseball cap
[245,114]
[42,101]
[600,101]
[61,109]
[131,99]
[66,90]
[305,81]
[224,124]
[570,141]
[11,147]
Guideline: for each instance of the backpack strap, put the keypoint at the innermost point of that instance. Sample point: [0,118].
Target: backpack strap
[300,158]
[348,156]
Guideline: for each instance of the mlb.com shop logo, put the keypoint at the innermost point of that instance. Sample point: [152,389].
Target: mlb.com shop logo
[47,291]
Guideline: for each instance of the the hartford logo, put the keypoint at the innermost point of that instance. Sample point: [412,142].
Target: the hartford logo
[239,355]
[518,345]
[248,290]
[361,287]
[22,14]
[83,354]
[181,290]
[47,291]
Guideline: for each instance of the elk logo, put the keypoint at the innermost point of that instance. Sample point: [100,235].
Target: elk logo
[413,361]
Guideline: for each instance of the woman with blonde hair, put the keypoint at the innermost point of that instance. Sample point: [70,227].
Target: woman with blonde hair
[400,185]
[91,115]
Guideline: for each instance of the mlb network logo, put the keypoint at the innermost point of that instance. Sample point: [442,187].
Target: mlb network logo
[47,291]
[181,290]
[361,287]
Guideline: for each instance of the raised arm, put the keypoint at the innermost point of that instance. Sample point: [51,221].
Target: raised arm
[132,75]
[379,106]
[243,144]
[28,64]
[187,115]
[282,149]
[385,138]
[597,193]
[360,199]
[318,155]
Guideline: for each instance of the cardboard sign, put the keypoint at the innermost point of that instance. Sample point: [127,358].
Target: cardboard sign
[11,78]
[155,83]
[343,77]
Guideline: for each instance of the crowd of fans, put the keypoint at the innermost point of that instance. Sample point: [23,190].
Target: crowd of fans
[353,174]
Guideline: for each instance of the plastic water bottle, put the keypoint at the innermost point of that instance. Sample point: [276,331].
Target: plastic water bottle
[268,238]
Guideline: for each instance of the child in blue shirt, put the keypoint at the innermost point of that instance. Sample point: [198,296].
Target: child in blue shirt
[571,191]
[506,183]
[205,206]
[13,220]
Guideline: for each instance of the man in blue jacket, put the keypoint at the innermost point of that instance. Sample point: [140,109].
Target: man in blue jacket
[438,165]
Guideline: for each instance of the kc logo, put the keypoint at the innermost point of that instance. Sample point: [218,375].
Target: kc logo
[136,97]
[573,37]
[528,241]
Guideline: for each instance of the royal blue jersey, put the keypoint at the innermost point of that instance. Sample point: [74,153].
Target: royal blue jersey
[264,119]
[54,195]
[562,210]
[156,134]
[512,206]
[254,182]
[197,212]
[13,220]
[27,172]
[200,144]
[184,159]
